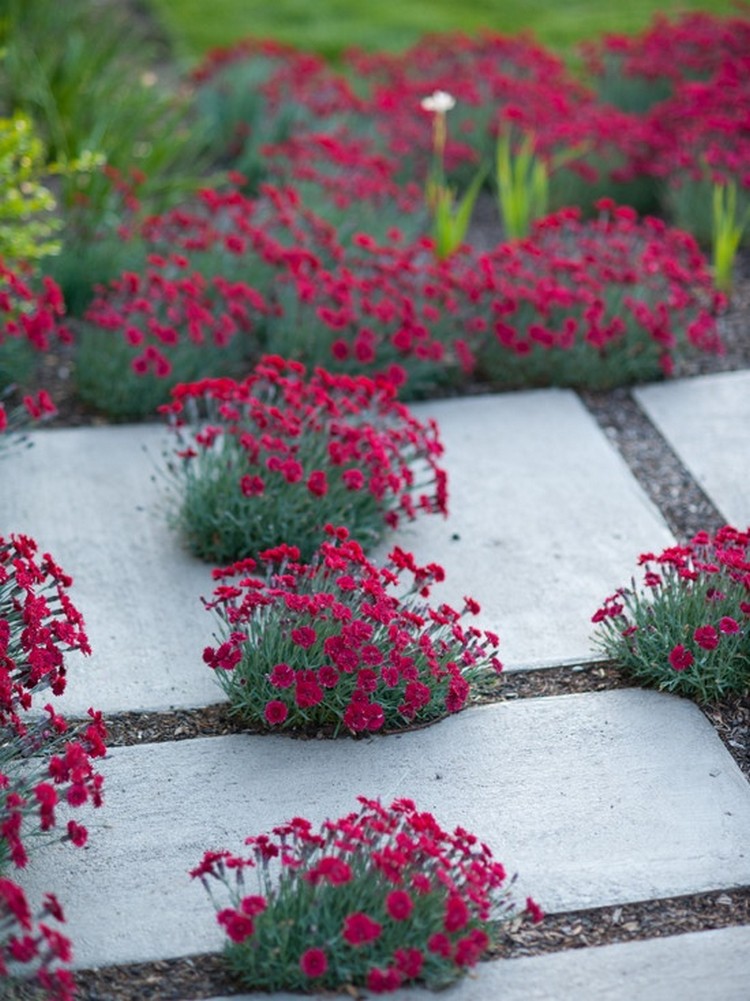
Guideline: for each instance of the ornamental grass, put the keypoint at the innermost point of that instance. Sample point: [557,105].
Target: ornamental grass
[42,764]
[274,458]
[380,898]
[686,627]
[340,643]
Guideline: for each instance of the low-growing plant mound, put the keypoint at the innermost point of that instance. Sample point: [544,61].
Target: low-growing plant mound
[145,332]
[686,628]
[380,898]
[596,303]
[281,454]
[42,765]
[342,643]
[30,322]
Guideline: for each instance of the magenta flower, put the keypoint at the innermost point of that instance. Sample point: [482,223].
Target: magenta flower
[729,625]
[360,929]
[399,905]
[313,963]
[276,712]
[680,658]
[706,637]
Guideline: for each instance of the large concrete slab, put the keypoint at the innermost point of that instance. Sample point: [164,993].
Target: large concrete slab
[701,966]
[89,497]
[706,420]
[593,799]
[545,518]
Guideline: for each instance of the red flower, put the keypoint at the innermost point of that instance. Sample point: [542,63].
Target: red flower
[409,962]
[275,712]
[470,948]
[359,929]
[534,910]
[313,963]
[706,637]
[77,833]
[680,658]
[383,981]
[317,483]
[729,625]
[399,905]
[253,905]
[237,926]
[440,944]
[456,913]
[304,637]
[252,486]
[282,676]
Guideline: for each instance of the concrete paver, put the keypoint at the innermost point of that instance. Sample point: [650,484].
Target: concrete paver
[544,515]
[701,966]
[707,422]
[88,496]
[593,799]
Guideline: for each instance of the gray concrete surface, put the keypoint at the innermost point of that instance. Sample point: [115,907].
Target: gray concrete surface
[87,495]
[702,966]
[592,799]
[707,422]
[544,517]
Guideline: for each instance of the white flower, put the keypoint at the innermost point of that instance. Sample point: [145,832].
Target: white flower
[439,102]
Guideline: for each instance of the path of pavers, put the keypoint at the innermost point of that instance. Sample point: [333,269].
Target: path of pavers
[707,422]
[594,799]
[567,791]
[544,518]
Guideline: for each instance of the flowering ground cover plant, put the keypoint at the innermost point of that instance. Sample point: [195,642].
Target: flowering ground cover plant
[280,454]
[700,137]
[634,72]
[342,643]
[29,322]
[42,764]
[258,93]
[596,303]
[381,898]
[170,324]
[686,628]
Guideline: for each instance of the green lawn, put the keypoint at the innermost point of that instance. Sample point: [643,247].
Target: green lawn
[329,26]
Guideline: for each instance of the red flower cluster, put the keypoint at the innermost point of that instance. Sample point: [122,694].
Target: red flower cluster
[170,308]
[21,942]
[702,132]
[625,289]
[28,316]
[284,453]
[330,643]
[688,629]
[428,897]
[691,47]
[38,623]
[30,323]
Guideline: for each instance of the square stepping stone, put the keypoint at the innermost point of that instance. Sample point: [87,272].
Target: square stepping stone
[545,520]
[706,420]
[700,966]
[593,799]
[89,496]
